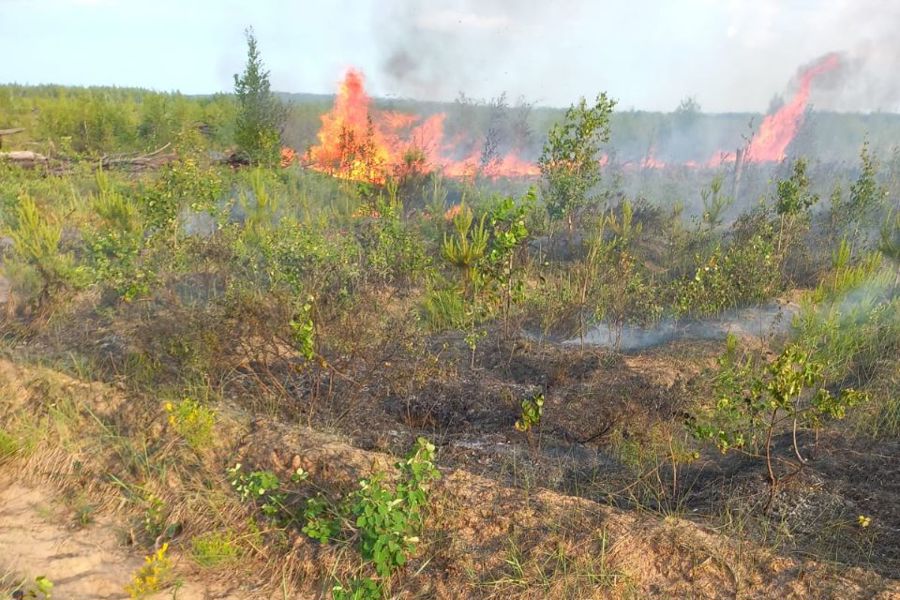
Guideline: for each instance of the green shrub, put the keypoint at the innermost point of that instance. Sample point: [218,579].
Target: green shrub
[114,249]
[387,520]
[753,399]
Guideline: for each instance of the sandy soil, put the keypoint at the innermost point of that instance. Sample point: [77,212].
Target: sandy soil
[84,563]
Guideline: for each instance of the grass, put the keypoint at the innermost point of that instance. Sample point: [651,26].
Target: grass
[9,447]
[214,549]
[560,570]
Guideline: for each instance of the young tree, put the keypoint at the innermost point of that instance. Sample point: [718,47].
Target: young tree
[570,161]
[756,400]
[260,114]
[792,203]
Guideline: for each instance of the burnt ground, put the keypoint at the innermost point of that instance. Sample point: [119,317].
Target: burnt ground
[600,407]
[602,413]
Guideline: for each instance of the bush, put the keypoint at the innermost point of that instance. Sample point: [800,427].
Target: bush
[753,399]
[387,522]
[114,250]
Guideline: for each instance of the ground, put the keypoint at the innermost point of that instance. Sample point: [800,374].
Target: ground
[512,515]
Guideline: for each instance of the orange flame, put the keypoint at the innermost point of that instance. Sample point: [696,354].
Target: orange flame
[778,130]
[651,162]
[288,156]
[359,143]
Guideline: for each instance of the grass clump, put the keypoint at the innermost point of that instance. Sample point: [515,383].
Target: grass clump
[192,421]
[214,549]
[9,447]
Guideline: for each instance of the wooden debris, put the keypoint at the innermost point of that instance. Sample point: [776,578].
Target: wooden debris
[24,158]
[139,162]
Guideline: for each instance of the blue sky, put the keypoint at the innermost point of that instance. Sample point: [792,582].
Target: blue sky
[730,54]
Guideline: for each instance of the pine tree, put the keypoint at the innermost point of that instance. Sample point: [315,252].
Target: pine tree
[260,114]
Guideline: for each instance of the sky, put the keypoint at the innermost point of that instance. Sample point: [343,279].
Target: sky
[731,55]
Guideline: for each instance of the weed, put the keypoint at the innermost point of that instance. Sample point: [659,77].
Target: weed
[262,487]
[214,549]
[40,589]
[9,446]
[152,576]
[84,513]
[358,589]
[192,421]
[444,309]
[155,514]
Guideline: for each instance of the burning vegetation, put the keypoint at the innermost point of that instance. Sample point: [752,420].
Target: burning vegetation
[358,142]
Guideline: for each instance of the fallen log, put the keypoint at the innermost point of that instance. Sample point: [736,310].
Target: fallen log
[24,158]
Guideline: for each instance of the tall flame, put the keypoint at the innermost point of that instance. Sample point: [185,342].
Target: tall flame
[778,130]
[359,143]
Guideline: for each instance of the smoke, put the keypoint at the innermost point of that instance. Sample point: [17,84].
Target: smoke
[867,81]
[733,55]
[863,33]
[747,323]
[436,50]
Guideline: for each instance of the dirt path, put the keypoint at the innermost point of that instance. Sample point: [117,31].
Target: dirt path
[84,563]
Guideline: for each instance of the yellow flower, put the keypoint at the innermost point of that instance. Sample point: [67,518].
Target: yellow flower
[863,521]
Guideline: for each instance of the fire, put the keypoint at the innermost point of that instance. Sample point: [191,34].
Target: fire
[651,162]
[288,156]
[358,142]
[778,130]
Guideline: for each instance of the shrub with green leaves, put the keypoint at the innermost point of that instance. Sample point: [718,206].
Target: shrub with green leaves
[185,183]
[754,400]
[303,330]
[385,521]
[570,161]
[532,411]
[742,272]
[501,279]
[395,253]
[114,249]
